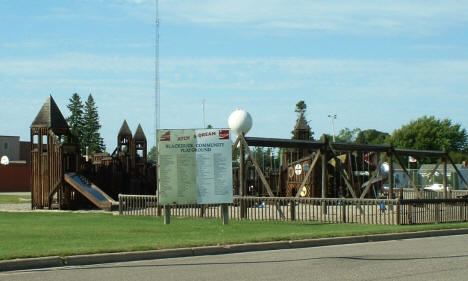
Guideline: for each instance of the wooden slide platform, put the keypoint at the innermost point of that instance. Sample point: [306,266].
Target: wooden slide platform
[91,191]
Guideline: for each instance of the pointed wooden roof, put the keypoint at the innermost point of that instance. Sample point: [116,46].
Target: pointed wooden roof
[139,134]
[50,116]
[125,130]
[301,123]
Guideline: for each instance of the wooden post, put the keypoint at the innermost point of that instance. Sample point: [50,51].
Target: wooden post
[309,172]
[390,175]
[167,214]
[324,176]
[202,210]
[444,171]
[225,213]
[343,211]
[410,213]
[292,210]
[159,210]
[120,205]
[398,213]
[242,185]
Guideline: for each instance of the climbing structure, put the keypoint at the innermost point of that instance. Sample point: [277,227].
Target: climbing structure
[54,152]
[63,178]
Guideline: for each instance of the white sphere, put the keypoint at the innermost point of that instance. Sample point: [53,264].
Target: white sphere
[4,160]
[240,121]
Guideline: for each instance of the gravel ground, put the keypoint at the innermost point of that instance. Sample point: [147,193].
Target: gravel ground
[26,207]
[23,207]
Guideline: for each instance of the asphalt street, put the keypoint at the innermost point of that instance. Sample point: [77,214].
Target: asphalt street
[434,258]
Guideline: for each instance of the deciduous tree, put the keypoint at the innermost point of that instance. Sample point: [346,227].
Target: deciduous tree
[430,133]
[372,136]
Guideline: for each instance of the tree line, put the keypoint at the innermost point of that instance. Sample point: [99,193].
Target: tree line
[84,124]
[424,133]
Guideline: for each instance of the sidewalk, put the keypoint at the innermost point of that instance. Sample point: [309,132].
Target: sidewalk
[56,261]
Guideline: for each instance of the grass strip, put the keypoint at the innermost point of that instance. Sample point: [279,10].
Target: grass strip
[14,199]
[46,234]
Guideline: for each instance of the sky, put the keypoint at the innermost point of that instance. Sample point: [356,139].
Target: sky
[375,64]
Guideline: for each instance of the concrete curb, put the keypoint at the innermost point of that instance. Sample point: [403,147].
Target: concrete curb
[55,261]
[20,264]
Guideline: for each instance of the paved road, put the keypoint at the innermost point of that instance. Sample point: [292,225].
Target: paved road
[438,258]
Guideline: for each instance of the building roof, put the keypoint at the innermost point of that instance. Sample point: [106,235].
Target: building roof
[301,123]
[125,130]
[139,134]
[50,116]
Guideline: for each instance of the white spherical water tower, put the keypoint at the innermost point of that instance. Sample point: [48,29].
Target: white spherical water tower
[240,121]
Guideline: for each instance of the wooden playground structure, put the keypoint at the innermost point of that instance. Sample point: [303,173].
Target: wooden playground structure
[324,169]
[62,178]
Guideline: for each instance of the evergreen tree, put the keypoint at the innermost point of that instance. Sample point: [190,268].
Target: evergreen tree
[91,136]
[75,120]
[153,155]
[301,107]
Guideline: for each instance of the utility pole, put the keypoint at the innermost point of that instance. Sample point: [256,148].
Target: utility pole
[203,109]
[157,106]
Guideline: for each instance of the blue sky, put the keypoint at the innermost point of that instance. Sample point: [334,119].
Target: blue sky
[376,64]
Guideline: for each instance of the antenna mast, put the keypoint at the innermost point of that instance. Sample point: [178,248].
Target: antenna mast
[156,74]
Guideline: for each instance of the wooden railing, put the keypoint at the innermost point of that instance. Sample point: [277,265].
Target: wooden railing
[424,211]
[366,211]
[427,194]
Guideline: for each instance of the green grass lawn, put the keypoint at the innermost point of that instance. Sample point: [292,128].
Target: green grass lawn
[45,234]
[14,199]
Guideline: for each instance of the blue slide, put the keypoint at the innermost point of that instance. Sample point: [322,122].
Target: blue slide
[90,191]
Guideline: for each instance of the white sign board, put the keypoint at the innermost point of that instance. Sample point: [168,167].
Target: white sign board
[298,169]
[194,166]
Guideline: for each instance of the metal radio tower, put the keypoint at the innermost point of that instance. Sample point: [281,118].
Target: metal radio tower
[157,107]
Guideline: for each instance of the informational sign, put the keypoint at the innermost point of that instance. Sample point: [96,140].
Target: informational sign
[195,166]
[298,169]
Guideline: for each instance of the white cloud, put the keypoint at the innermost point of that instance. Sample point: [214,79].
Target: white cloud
[367,92]
[343,16]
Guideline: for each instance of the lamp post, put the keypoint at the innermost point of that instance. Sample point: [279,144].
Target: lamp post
[332,118]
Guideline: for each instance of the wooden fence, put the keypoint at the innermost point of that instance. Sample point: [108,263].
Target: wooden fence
[364,211]
[422,211]
[428,194]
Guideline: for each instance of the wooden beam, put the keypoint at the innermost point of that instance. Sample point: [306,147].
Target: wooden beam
[290,143]
[418,192]
[292,164]
[54,189]
[456,169]
[309,172]
[435,169]
[234,146]
[340,168]
[444,178]
[369,182]
[260,173]
[286,143]
[390,173]
[257,167]
[419,153]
